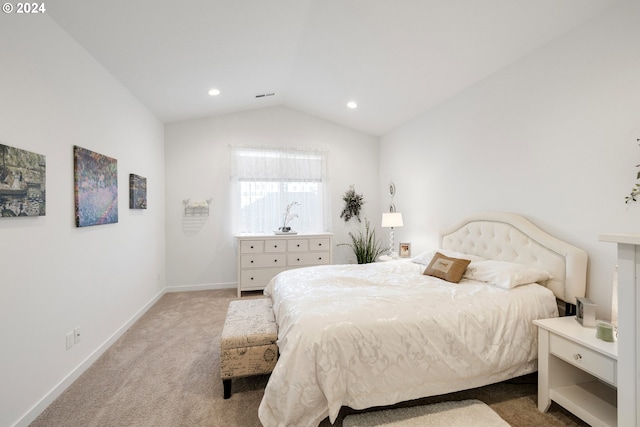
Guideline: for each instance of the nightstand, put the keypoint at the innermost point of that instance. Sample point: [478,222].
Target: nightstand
[577,371]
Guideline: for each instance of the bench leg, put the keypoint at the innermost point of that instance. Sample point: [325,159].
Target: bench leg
[226,385]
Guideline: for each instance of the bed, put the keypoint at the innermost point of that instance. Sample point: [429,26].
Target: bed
[377,334]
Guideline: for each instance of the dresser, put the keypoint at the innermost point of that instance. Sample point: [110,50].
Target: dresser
[262,256]
[577,371]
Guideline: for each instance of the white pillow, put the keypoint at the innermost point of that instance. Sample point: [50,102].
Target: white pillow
[504,274]
[426,257]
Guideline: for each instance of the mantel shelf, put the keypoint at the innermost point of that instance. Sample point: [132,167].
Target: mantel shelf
[626,238]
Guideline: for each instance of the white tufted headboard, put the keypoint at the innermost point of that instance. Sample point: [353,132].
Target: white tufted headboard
[510,237]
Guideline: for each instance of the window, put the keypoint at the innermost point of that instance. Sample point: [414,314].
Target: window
[266,180]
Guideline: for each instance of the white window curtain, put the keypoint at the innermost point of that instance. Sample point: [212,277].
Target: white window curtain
[265,181]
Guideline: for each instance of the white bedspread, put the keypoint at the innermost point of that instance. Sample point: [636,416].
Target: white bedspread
[363,336]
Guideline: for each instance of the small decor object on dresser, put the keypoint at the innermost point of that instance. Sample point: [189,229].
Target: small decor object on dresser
[137,192]
[586,312]
[287,217]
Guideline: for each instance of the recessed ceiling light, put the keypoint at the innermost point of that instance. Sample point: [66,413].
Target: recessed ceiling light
[352,105]
[214,92]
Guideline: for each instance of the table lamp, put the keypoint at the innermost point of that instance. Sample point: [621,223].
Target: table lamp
[392,220]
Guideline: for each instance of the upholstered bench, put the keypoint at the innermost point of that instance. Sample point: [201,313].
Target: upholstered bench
[248,341]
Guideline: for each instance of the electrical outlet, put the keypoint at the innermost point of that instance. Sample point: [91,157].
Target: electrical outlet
[76,335]
[69,340]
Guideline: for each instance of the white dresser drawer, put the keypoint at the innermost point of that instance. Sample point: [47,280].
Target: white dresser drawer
[298,245]
[584,358]
[309,258]
[319,244]
[257,278]
[263,260]
[251,246]
[275,246]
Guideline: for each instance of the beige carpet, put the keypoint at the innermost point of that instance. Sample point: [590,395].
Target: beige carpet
[164,372]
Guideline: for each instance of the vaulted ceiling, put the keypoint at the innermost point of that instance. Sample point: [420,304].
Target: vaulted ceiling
[395,58]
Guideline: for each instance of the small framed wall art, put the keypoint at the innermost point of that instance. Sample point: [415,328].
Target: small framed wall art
[137,192]
[22,182]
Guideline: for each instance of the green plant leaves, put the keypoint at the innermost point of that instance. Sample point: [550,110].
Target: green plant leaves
[353,204]
[365,246]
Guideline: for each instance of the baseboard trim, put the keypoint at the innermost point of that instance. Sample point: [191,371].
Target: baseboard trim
[39,407]
[202,287]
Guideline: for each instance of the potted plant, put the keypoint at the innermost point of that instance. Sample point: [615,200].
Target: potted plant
[287,217]
[352,204]
[365,246]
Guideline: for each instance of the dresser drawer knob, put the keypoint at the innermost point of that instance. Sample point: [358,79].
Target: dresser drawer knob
[298,245]
[577,356]
[275,260]
[252,278]
[320,258]
[251,246]
[251,261]
[275,246]
[298,259]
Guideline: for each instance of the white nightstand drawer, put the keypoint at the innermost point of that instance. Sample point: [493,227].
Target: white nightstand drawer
[251,246]
[262,260]
[275,246]
[314,258]
[319,244]
[257,278]
[586,359]
[298,245]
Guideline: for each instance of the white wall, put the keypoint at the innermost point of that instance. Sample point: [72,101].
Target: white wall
[56,276]
[552,137]
[201,250]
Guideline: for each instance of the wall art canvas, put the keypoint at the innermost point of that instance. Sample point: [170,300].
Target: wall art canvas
[137,192]
[95,187]
[22,182]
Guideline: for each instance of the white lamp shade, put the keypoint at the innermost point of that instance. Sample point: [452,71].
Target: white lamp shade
[392,219]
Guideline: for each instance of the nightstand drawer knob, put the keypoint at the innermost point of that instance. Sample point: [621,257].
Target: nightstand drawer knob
[577,356]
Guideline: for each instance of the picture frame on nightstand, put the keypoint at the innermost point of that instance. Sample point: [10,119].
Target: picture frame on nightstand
[405,250]
[586,312]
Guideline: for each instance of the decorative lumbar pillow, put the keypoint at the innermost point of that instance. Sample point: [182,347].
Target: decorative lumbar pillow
[505,274]
[426,257]
[447,268]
